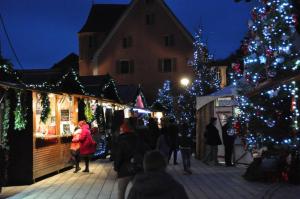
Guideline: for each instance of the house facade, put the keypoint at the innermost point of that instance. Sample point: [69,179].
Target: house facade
[139,43]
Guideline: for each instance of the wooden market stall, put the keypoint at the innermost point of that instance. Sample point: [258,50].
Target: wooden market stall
[50,103]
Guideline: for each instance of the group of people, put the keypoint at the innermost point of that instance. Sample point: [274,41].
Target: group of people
[142,154]
[82,146]
[212,140]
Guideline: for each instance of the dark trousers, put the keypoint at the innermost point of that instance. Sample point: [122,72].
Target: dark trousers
[75,158]
[174,151]
[186,158]
[228,154]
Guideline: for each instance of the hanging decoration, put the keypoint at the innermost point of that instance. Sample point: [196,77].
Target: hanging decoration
[99,116]
[20,114]
[45,107]
[4,138]
[88,112]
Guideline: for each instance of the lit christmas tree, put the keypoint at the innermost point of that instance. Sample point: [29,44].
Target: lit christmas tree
[204,83]
[165,97]
[270,113]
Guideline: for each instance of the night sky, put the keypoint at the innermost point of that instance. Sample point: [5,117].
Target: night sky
[45,31]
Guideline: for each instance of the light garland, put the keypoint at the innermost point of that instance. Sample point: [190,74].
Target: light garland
[166,98]
[88,113]
[45,107]
[20,114]
[6,120]
[204,83]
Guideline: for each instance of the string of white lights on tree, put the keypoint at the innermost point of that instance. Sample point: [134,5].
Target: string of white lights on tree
[270,117]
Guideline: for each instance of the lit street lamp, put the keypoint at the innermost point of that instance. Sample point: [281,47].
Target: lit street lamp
[184,81]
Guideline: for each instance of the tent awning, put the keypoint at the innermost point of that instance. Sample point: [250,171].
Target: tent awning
[203,100]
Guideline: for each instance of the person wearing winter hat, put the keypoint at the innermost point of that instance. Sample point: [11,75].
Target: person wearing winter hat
[155,182]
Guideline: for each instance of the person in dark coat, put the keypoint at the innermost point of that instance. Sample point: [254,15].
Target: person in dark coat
[156,183]
[153,132]
[172,133]
[163,142]
[126,143]
[185,145]
[228,136]
[212,140]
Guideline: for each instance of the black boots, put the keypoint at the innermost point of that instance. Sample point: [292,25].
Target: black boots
[87,161]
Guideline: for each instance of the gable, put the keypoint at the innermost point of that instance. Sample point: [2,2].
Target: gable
[134,8]
[103,17]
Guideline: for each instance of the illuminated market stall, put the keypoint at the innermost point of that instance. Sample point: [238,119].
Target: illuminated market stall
[39,115]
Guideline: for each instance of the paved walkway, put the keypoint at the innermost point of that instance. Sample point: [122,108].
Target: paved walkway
[215,182]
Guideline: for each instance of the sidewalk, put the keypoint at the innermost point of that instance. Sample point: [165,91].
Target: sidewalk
[215,182]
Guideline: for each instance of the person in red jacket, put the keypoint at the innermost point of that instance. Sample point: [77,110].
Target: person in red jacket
[87,144]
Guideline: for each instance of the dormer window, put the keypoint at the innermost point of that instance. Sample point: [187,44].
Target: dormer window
[169,40]
[127,42]
[150,19]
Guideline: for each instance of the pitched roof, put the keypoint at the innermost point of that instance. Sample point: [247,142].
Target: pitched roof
[39,76]
[101,86]
[70,61]
[103,17]
[129,94]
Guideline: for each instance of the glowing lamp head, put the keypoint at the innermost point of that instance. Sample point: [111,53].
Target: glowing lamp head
[184,81]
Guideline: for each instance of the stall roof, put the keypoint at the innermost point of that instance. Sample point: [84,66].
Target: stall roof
[8,75]
[226,91]
[130,93]
[101,86]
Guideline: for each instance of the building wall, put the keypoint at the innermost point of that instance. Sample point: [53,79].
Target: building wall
[147,48]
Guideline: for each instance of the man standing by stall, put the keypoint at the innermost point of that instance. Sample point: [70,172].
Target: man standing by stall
[228,136]
[212,140]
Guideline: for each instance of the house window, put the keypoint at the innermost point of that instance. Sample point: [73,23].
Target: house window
[167,65]
[127,42]
[169,40]
[150,19]
[125,66]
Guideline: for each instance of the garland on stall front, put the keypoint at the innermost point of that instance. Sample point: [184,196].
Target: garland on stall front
[20,114]
[45,107]
[89,116]
[99,116]
[4,139]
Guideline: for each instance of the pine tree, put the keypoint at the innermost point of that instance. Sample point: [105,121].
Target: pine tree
[165,97]
[271,116]
[205,82]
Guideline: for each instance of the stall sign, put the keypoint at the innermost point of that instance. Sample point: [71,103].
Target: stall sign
[226,101]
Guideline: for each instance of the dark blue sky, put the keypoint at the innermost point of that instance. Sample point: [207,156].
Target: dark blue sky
[45,31]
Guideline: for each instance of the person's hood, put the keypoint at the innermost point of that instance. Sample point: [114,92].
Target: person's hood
[85,126]
[154,183]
